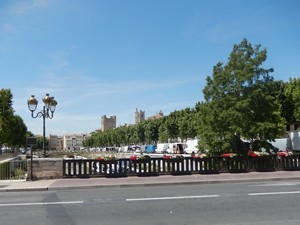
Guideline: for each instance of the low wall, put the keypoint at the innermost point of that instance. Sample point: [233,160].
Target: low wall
[45,168]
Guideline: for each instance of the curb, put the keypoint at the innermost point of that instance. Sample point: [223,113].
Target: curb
[23,189]
[55,185]
[169,183]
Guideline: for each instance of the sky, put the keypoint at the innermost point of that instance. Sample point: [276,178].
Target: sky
[111,57]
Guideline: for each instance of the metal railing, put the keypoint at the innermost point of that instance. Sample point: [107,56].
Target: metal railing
[177,166]
[13,170]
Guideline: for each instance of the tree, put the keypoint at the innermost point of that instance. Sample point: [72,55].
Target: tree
[6,114]
[121,134]
[162,131]
[172,125]
[291,103]
[239,101]
[138,133]
[39,143]
[186,124]
[17,132]
[13,131]
[152,130]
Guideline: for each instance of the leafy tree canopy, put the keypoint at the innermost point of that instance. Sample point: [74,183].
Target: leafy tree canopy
[292,100]
[12,128]
[239,101]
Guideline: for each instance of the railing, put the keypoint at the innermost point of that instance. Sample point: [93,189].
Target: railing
[13,170]
[177,166]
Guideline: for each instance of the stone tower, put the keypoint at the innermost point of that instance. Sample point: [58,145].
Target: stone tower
[139,116]
[108,122]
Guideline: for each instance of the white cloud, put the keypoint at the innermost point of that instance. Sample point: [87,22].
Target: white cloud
[16,14]
[86,87]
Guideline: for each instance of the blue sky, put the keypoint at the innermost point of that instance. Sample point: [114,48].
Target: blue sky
[109,57]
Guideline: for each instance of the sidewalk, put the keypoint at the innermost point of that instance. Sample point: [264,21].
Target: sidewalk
[76,183]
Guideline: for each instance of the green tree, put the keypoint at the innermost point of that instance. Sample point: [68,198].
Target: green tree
[186,124]
[291,103]
[6,114]
[162,131]
[13,131]
[172,125]
[121,135]
[17,132]
[239,101]
[39,143]
[151,130]
[88,142]
[138,133]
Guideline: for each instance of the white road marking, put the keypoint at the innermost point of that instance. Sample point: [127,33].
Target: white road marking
[275,184]
[275,193]
[41,203]
[171,198]
[145,199]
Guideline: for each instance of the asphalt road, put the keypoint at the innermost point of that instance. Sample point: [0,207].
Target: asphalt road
[259,203]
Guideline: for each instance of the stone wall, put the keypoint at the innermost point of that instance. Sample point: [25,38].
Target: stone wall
[45,168]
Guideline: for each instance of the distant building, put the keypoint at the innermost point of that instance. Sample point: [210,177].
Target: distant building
[66,142]
[55,142]
[73,142]
[108,122]
[139,116]
[156,116]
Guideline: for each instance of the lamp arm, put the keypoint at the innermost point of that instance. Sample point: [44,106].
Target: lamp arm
[39,114]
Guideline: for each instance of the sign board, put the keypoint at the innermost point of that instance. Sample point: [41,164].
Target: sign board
[31,141]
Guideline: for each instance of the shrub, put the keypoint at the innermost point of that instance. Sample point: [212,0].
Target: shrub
[5,171]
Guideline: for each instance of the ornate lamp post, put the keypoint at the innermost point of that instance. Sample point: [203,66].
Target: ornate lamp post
[47,112]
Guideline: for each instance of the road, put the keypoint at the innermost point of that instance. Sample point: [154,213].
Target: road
[253,203]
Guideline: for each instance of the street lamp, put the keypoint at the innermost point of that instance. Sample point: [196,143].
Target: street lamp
[47,112]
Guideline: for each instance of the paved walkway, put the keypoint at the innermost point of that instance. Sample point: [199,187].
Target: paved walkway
[56,184]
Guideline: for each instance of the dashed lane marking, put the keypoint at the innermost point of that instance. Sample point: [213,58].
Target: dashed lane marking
[42,203]
[171,198]
[275,193]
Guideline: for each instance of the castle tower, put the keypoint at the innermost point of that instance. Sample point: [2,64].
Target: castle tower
[139,116]
[108,122]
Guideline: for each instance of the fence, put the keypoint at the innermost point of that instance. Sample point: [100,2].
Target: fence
[13,170]
[177,166]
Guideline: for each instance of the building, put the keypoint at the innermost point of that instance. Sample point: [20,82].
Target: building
[55,142]
[108,122]
[156,116]
[73,142]
[139,116]
[66,142]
